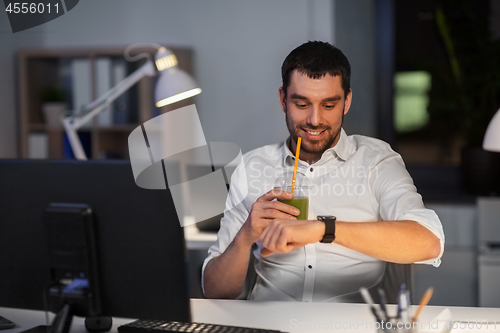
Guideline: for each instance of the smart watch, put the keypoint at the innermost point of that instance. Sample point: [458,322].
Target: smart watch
[329,221]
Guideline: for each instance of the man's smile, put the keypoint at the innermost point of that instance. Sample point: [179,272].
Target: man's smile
[314,134]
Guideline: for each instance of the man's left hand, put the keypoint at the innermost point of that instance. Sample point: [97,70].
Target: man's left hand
[285,235]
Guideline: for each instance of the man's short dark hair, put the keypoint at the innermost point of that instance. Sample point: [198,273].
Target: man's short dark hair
[316,59]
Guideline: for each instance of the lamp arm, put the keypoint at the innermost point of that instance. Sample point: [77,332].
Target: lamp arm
[72,123]
[94,108]
[74,140]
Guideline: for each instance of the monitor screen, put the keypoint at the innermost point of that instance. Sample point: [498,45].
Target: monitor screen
[140,243]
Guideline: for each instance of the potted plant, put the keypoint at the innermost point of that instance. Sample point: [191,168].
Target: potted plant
[466,94]
[53,105]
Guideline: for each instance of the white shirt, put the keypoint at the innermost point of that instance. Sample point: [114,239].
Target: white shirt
[361,179]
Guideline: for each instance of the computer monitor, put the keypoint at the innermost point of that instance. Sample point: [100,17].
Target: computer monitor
[140,243]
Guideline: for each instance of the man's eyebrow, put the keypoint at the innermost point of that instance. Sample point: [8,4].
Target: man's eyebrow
[328,99]
[332,99]
[297,96]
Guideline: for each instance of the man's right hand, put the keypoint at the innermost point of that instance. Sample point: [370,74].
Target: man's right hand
[264,211]
[232,265]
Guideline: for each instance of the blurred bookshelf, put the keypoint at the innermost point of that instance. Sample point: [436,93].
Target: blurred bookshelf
[82,75]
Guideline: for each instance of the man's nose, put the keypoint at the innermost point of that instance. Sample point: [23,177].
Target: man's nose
[314,117]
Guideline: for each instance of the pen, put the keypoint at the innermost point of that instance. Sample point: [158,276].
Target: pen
[404,301]
[408,306]
[383,302]
[402,287]
[423,302]
[368,299]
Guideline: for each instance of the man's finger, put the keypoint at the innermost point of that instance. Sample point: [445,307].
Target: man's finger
[275,194]
[282,242]
[280,206]
[285,208]
[276,214]
[263,234]
[261,224]
[265,252]
[267,234]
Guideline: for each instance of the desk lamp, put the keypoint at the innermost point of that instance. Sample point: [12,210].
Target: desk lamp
[491,140]
[172,86]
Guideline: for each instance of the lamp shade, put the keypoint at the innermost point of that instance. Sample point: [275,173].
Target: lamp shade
[174,84]
[491,140]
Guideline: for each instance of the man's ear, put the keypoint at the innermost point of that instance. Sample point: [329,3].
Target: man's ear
[282,98]
[348,101]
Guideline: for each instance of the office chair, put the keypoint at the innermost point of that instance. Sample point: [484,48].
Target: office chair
[395,275]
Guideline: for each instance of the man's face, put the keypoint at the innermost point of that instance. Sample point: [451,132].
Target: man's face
[314,111]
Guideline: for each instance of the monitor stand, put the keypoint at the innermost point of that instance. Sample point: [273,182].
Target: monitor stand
[62,321]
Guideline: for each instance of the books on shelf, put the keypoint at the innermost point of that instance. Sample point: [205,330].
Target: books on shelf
[108,72]
[81,85]
[121,104]
[104,83]
[85,140]
[84,77]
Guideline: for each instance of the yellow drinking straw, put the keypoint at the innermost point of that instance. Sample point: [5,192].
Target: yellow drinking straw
[297,151]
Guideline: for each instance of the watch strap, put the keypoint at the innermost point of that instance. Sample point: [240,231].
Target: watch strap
[329,221]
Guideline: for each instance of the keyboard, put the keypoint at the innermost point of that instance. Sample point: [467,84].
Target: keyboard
[162,326]
[5,323]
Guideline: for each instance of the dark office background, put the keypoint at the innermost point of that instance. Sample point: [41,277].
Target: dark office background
[394,47]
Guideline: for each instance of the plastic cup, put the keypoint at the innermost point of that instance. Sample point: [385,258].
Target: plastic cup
[300,198]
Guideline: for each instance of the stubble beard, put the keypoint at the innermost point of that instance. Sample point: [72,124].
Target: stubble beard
[310,146]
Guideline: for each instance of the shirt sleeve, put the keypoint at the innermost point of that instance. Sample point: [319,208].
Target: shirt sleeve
[235,215]
[399,200]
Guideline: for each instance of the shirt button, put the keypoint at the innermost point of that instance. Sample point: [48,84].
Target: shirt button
[310,267]
[311,169]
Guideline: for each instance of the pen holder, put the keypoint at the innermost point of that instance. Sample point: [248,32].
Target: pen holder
[396,325]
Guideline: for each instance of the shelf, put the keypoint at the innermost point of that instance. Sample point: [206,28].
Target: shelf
[117,128]
[41,68]
[113,128]
[44,127]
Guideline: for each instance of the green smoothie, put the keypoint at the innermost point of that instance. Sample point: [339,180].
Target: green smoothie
[301,204]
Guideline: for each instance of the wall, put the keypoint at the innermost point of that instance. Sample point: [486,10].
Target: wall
[355,35]
[239,47]
[9,44]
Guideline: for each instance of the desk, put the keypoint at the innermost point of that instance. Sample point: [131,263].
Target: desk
[198,240]
[284,316]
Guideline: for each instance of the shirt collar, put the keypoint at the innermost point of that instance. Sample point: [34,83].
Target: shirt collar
[344,149]
[288,157]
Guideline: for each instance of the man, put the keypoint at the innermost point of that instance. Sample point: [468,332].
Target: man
[379,215]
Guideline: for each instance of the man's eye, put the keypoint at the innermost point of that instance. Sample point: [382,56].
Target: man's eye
[329,106]
[301,105]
